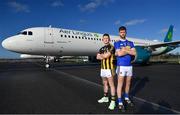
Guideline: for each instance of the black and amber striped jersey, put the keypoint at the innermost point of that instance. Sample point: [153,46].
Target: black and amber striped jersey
[108,63]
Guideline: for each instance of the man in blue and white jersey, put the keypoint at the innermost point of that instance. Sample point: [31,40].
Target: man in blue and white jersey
[124,51]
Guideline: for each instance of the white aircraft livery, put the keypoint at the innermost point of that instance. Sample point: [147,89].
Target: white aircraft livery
[57,42]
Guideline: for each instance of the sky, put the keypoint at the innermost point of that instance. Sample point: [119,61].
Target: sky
[144,19]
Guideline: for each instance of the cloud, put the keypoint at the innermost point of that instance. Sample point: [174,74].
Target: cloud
[135,22]
[117,22]
[94,4]
[19,7]
[57,3]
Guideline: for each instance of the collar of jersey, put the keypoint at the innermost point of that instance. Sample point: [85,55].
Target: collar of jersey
[122,40]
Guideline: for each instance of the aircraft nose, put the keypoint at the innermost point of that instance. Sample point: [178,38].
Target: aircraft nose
[13,44]
[8,43]
[5,44]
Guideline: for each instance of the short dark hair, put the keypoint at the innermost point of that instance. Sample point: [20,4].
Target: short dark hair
[122,28]
[106,35]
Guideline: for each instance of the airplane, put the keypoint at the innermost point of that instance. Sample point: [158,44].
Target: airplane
[57,42]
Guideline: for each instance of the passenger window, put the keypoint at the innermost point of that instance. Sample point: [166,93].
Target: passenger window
[76,37]
[61,35]
[30,33]
[79,37]
[72,36]
[65,36]
[69,36]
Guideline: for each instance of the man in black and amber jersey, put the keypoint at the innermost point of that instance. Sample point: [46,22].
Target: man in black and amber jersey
[106,55]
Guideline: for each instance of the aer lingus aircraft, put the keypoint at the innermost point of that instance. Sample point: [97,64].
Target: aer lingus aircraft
[57,42]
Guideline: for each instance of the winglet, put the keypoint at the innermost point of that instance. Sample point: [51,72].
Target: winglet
[169,34]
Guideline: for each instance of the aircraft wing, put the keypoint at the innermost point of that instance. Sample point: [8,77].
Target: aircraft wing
[172,44]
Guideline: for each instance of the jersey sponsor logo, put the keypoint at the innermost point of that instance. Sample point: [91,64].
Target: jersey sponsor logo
[128,47]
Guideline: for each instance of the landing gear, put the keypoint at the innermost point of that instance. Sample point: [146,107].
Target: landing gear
[47,62]
[56,59]
[47,66]
[50,58]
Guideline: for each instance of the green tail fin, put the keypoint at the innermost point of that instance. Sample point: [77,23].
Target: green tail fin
[169,35]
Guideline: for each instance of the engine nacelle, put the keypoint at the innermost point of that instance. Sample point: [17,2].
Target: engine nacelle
[142,55]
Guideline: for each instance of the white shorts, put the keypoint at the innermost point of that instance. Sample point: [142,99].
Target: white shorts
[106,73]
[124,71]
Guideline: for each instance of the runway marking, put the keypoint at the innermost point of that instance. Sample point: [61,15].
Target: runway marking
[98,85]
[157,105]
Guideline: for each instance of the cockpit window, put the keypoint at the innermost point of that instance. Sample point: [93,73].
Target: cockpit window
[30,33]
[24,33]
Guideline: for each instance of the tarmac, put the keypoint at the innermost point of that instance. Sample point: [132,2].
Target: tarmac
[27,87]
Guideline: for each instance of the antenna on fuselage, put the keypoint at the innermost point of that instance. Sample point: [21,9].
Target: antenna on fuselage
[50,26]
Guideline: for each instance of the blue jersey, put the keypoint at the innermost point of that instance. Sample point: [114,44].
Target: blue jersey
[126,59]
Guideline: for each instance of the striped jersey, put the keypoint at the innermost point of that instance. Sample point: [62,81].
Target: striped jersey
[108,63]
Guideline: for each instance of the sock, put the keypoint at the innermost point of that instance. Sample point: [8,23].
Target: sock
[120,101]
[105,94]
[126,96]
[113,98]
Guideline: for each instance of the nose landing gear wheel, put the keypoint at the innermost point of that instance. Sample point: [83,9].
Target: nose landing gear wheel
[47,66]
[47,62]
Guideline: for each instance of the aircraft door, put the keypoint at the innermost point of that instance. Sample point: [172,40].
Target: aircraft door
[49,37]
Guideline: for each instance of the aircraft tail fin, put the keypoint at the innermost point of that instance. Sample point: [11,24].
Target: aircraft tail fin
[169,34]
